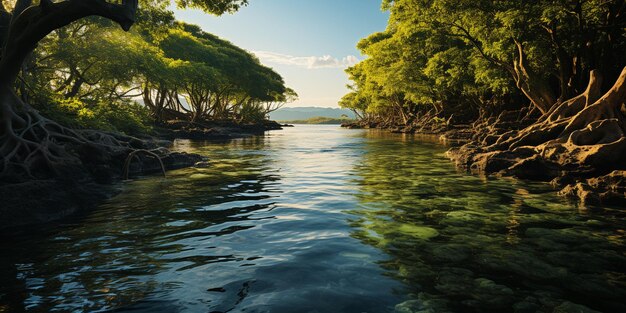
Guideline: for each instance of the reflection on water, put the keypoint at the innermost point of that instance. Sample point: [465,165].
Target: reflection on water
[320,219]
[466,244]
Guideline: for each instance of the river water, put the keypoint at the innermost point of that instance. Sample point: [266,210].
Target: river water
[322,219]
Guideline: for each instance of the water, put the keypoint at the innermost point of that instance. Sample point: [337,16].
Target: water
[322,219]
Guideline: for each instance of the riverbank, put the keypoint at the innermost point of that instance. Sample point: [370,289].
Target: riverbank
[97,178]
[212,130]
[584,171]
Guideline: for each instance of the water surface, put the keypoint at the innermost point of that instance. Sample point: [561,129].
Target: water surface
[322,219]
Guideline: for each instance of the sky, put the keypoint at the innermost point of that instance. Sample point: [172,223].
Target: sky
[309,42]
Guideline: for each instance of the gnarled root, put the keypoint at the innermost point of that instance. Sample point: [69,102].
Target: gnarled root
[133,154]
[583,137]
[33,147]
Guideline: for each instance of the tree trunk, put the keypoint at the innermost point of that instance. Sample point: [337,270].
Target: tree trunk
[531,84]
[32,146]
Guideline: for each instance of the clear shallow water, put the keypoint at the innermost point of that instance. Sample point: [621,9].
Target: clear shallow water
[321,219]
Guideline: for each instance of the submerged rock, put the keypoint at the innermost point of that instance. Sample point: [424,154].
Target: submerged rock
[489,295]
[521,263]
[569,307]
[464,218]
[453,253]
[421,232]
[426,303]
[455,282]
[610,188]
[410,306]
[528,305]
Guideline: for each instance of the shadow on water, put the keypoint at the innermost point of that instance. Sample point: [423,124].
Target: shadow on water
[129,251]
[466,244]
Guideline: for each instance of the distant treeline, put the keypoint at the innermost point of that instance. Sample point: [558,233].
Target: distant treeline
[320,120]
[304,113]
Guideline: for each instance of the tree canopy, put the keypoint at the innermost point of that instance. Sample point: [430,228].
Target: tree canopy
[83,72]
[441,54]
[66,67]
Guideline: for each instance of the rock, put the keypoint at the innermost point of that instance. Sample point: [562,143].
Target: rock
[202,164]
[55,200]
[428,303]
[480,292]
[491,162]
[421,232]
[177,160]
[577,261]
[477,242]
[521,263]
[595,287]
[464,218]
[569,307]
[410,306]
[453,253]
[577,145]
[199,176]
[548,299]
[568,236]
[528,305]
[534,168]
[609,189]
[490,295]
[547,244]
[455,282]
[582,191]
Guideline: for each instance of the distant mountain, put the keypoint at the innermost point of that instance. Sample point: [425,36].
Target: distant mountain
[321,120]
[305,113]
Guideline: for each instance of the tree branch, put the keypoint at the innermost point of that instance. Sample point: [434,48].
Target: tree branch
[36,21]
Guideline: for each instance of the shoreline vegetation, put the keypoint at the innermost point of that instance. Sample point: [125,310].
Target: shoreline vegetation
[321,120]
[85,104]
[535,90]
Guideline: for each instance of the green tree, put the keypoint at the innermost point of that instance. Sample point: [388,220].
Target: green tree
[31,145]
[444,53]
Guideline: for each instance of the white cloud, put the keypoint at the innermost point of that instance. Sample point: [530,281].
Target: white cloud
[310,62]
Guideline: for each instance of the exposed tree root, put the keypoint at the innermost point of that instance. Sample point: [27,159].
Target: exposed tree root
[133,154]
[579,139]
[33,147]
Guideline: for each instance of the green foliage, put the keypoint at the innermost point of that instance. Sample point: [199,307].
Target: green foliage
[321,120]
[91,74]
[217,7]
[440,54]
[252,112]
[128,118]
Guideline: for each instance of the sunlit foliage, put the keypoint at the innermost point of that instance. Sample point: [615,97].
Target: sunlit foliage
[81,73]
[443,55]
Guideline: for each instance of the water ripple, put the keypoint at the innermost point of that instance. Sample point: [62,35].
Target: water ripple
[321,219]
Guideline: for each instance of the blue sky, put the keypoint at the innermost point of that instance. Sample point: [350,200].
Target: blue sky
[309,42]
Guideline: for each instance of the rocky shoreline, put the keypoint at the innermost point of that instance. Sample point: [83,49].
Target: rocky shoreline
[212,130]
[46,200]
[602,182]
